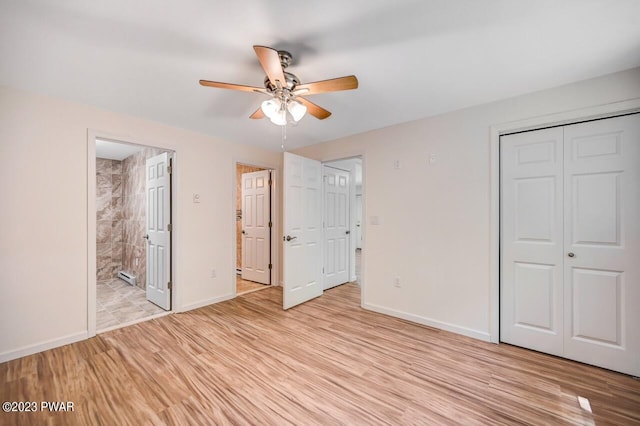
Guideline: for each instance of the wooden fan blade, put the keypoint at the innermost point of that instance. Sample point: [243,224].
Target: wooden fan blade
[333,85]
[232,86]
[313,109]
[258,114]
[270,62]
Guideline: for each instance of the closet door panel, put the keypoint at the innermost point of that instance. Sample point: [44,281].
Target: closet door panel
[531,240]
[602,243]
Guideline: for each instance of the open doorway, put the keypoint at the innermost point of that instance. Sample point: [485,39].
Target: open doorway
[342,206]
[133,233]
[312,211]
[254,228]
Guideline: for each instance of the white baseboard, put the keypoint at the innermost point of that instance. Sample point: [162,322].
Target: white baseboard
[39,347]
[469,332]
[205,302]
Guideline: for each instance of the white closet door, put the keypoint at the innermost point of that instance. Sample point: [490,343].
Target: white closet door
[602,236]
[570,242]
[531,240]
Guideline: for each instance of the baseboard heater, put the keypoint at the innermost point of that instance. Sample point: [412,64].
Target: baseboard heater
[125,276]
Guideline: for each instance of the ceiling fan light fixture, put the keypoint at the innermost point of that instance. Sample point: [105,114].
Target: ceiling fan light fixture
[271,107]
[297,110]
[279,118]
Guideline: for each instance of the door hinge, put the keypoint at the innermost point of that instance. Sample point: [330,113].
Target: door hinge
[270,224]
[270,266]
[270,182]
[169,227]
[170,167]
[169,285]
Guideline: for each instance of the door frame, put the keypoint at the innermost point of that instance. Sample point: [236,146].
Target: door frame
[92,135]
[275,218]
[534,123]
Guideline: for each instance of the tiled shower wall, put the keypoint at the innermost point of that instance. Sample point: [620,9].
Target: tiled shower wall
[134,214]
[109,245]
[240,169]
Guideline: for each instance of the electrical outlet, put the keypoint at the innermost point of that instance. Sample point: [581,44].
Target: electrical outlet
[396,282]
[137,261]
[213,273]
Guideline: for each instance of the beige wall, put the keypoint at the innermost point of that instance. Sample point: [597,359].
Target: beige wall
[43,231]
[434,230]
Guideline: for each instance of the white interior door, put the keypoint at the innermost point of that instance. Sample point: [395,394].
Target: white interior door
[602,243]
[570,242]
[336,226]
[256,216]
[531,240]
[302,217]
[158,197]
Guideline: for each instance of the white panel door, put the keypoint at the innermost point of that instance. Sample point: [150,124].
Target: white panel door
[302,217]
[158,197]
[570,242]
[531,305]
[256,215]
[336,226]
[602,243]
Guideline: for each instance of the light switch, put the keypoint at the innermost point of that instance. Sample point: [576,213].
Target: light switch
[374,220]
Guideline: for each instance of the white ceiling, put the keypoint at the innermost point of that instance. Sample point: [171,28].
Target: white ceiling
[413,58]
[114,150]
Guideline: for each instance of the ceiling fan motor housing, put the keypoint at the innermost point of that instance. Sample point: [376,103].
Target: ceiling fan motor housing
[292,82]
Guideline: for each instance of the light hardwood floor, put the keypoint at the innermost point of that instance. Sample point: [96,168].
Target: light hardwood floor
[246,361]
[245,286]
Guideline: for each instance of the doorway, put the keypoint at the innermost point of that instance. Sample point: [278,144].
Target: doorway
[254,228]
[305,243]
[342,206]
[133,233]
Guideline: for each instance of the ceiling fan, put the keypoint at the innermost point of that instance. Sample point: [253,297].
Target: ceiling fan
[284,88]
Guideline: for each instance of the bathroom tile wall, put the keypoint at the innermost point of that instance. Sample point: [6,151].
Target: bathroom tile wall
[109,222]
[134,214]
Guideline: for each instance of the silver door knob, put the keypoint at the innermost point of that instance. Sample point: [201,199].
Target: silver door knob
[289,238]
[571,254]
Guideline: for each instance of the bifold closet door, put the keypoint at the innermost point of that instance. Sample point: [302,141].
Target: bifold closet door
[602,243]
[570,242]
[531,240]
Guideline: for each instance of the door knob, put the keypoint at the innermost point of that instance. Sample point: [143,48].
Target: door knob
[571,254]
[289,238]
[347,232]
[146,237]
[243,231]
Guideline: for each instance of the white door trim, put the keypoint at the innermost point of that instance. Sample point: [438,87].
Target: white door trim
[275,218]
[557,119]
[92,135]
